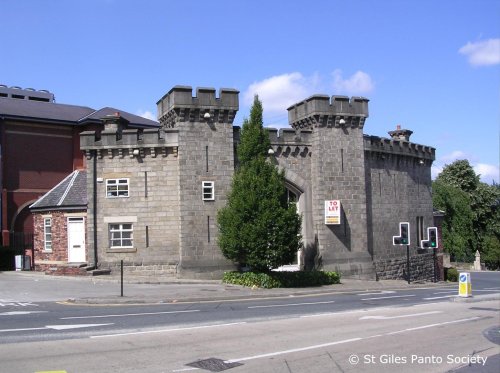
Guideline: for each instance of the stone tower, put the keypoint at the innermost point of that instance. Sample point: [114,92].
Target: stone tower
[337,173]
[206,166]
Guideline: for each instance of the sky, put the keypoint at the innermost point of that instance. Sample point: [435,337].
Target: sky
[431,66]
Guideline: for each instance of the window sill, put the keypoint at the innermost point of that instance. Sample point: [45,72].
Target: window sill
[121,250]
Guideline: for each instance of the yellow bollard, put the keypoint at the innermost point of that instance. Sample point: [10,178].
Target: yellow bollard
[464,285]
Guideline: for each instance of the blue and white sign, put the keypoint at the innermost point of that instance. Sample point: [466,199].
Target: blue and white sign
[464,285]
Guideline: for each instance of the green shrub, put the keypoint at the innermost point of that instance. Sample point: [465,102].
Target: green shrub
[452,275]
[281,279]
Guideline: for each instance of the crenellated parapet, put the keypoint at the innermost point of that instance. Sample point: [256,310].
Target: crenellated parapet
[287,142]
[116,140]
[179,105]
[383,147]
[320,111]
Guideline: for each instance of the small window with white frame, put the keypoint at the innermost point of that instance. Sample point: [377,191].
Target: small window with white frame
[208,192]
[116,188]
[121,235]
[47,234]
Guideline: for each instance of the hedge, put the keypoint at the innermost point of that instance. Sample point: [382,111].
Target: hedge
[281,279]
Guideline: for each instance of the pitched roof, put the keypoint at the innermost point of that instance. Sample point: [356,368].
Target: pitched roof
[65,114]
[71,193]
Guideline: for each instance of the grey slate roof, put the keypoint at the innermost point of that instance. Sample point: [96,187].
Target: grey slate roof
[71,193]
[65,114]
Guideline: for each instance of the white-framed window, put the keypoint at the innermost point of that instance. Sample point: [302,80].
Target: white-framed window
[121,235]
[116,188]
[47,234]
[208,192]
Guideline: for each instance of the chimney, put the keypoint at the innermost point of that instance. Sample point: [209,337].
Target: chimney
[400,134]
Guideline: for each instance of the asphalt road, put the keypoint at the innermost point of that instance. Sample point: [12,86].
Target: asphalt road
[42,321]
[50,332]
[435,337]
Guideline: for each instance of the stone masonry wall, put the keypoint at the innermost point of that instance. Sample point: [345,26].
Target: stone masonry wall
[398,190]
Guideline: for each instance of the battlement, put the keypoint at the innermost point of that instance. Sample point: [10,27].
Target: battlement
[179,104]
[385,146]
[320,111]
[130,142]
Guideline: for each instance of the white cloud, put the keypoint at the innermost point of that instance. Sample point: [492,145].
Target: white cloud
[146,114]
[482,53]
[488,172]
[453,156]
[279,92]
[359,83]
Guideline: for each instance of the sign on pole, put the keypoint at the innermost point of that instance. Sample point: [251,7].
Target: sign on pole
[332,212]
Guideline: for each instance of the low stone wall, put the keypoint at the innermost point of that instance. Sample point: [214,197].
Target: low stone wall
[142,270]
[421,268]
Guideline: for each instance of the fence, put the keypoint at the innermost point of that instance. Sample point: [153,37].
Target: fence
[20,243]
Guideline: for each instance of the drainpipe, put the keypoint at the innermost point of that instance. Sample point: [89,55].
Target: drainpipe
[94,206]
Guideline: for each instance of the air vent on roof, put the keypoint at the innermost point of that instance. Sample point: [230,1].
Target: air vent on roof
[26,94]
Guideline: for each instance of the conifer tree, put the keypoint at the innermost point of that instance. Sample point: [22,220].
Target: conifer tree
[258,227]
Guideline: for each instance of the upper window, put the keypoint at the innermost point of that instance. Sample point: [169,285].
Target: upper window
[121,235]
[117,188]
[208,191]
[47,234]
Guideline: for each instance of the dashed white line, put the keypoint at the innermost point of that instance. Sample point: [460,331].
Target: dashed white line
[126,314]
[167,330]
[441,297]
[346,341]
[398,317]
[291,304]
[392,296]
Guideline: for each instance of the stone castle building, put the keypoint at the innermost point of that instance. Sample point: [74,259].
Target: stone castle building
[153,194]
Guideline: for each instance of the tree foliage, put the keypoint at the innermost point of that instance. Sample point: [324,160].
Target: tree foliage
[254,137]
[258,227]
[459,192]
[457,223]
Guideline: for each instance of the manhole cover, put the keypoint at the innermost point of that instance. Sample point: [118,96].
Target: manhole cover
[493,334]
[213,364]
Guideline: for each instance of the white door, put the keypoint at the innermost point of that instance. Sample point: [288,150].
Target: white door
[76,240]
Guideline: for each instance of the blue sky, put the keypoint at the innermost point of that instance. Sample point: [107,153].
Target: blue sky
[432,66]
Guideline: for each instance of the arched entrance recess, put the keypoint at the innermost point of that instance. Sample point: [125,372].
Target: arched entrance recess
[299,193]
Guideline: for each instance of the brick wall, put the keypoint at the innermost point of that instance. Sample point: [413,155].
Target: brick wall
[57,258]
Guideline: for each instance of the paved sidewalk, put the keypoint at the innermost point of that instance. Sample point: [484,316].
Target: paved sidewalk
[38,287]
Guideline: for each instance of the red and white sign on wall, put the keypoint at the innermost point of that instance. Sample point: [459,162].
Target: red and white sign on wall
[332,212]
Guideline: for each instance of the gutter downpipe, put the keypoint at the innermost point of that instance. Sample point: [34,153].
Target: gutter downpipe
[94,206]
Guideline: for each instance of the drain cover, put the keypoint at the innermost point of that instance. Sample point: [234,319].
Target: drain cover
[213,364]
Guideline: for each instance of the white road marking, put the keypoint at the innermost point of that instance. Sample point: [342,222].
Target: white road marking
[491,288]
[378,293]
[13,303]
[398,317]
[126,314]
[272,354]
[15,313]
[292,304]
[167,330]
[441,297]
[392,296]
[55,327]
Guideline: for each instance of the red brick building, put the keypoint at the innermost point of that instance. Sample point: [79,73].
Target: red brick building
[39,147]
[59,227]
